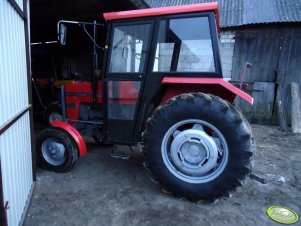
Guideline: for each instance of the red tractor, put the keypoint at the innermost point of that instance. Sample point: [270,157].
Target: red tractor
[162,86]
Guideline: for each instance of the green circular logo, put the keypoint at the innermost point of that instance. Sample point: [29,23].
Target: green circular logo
[282,214]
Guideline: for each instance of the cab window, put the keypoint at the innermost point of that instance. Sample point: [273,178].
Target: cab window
[184,45]
[128,50]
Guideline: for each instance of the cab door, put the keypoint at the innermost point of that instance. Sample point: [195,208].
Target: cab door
[125,71]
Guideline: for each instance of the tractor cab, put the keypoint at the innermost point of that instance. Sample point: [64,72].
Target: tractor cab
[143,48]
[160,84]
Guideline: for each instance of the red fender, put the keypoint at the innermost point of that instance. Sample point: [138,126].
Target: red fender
[216,86]
[81,144]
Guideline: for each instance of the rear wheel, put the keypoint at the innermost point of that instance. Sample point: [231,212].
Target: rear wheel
[56,150]
[198,146]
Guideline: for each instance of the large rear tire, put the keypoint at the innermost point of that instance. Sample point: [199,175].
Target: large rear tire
[56,150]
[198,146]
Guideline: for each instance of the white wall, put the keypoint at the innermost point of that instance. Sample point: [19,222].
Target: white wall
[226,47]
[15,141]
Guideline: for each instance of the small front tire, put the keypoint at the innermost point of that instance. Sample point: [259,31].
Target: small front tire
[56,150]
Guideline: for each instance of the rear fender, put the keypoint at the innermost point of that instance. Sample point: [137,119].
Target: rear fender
[81,144]
[215,86]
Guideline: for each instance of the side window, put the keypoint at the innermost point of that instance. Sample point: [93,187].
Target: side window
[122,99]
[128,50]
[184,45]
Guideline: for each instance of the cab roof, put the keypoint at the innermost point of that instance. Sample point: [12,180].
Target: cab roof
[170,10]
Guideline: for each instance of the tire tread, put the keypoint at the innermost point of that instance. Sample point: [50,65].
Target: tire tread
[244,143]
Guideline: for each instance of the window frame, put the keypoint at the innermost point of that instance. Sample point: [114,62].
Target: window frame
[214,41]
[128,75]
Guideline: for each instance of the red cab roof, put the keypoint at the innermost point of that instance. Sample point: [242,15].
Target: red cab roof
[193,8]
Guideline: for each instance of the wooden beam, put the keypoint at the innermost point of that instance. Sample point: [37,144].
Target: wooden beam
[12,121]
[296,108]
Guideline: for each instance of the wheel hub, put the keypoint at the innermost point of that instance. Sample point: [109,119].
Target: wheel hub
[53,152]
[194,152]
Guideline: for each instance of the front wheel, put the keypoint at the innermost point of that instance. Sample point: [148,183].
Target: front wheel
[198,146]
[56,150]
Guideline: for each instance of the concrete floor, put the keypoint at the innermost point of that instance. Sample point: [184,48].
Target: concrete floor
[101,190]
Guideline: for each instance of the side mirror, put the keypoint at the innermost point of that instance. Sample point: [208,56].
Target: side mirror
[62,34]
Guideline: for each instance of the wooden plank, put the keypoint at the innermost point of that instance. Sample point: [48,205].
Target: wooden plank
[254,46]
[296,108]
[282,56]
[262,110]
[289,67]
[281,113]
[263,94]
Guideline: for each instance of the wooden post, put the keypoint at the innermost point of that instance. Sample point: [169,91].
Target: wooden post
[281,111]
[281,115]
[296,108]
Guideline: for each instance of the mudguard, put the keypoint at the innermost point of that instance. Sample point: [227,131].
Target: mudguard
[216,86]
[81,144]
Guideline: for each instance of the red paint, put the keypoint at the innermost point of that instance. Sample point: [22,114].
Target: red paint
[73,111]
[84,91]
[128,93]
[193,8]
[74,134]
[78,93]
[216,86]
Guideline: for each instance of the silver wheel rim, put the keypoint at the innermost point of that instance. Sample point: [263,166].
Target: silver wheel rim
[53,152]
[55,116]
[194,151]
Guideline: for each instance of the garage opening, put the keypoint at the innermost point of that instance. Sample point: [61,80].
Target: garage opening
[53,64]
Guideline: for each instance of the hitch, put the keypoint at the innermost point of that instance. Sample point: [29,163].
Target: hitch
[259,179]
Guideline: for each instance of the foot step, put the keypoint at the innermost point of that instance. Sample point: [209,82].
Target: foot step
[121,152]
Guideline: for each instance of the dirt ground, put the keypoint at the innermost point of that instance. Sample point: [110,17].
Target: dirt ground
[101,190]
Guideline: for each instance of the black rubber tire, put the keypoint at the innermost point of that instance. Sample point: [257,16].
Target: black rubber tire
[71,150]
[216,111]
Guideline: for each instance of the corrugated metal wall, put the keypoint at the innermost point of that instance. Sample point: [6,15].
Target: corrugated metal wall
[15,133]
[16,168]
[242,12]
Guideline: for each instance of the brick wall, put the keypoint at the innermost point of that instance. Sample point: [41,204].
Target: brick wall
[227,41]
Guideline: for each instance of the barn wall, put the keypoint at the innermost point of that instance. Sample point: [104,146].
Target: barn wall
[275,54]
[15,128]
